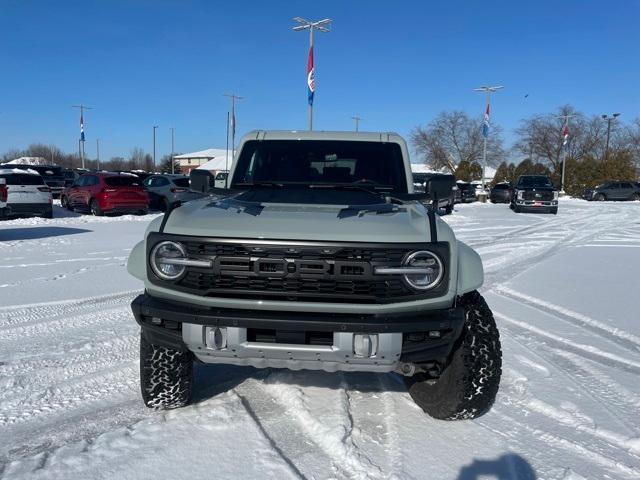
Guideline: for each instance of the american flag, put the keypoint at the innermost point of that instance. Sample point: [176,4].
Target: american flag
[565,135]
[81,128]
[311,83]
[485,123]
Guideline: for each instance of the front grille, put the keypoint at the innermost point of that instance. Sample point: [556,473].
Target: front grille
[299,272]
[539,195]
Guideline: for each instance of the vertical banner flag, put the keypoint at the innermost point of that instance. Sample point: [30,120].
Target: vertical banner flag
[311,83]
[81,128]
[485,123]
[565,135]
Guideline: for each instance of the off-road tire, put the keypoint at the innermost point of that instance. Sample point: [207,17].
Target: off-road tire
[469,383]
[554,210]
[516,209]
[166,376]
[94,207]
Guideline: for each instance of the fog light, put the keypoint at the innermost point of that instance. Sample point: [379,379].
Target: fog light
[216,338]
[365,346]
[434,334]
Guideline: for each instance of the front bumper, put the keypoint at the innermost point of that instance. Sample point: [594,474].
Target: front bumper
[400,338]
[537,205]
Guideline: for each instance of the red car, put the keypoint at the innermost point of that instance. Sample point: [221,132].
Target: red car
[100,193]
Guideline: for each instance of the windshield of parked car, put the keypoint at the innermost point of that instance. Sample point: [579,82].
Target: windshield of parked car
[320,163]
[23,179]
[122,181]
[181,182]
[534,181]
[501,186]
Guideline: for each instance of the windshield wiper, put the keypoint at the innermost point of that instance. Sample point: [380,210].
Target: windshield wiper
[261,184]
[366,186]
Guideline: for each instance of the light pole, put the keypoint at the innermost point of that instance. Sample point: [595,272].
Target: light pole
[81,141]
[172,151]
[485,127]
[609,119]
[357,120]
[154,147]
[322,26]
[98,153]
[233,98]
[565,144]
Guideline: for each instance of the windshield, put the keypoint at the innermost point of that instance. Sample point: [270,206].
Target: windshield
[23,179]
[122,181]
[181,182]
[320,162]
[534,181]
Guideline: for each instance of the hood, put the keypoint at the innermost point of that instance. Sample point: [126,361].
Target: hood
[215,217]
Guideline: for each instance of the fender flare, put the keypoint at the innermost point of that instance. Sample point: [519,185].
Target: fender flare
[470,269]
[136,264]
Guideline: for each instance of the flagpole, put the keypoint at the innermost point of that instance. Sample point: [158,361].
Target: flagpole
[565,129]
[226,157]
[322,26]
[81,141]
[485,129]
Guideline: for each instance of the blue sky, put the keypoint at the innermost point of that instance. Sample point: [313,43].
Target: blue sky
[396,64]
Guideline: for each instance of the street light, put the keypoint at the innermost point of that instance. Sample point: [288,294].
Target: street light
[608,119]
[485,126]
[154,147]
[322,26]
[357,120]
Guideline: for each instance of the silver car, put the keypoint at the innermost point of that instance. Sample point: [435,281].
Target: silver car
[165,190]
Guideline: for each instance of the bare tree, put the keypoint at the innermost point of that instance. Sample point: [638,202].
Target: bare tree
[136,158]
[541,136]
[454,137]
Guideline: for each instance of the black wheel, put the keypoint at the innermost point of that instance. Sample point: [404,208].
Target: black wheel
[164,204]
[516,209]
[448,209]
[600,197]
[469,383]
[635,197]
[166,376]
[64,201]
[95,208]
[554,210]
[48,214]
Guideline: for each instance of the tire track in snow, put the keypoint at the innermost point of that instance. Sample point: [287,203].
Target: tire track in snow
[616,335]
[335,442]
[23,314]
[68,396]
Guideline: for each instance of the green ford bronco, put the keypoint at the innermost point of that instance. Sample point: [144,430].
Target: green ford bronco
[320,256]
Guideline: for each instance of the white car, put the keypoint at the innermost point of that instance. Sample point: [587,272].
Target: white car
[27,193]
[221,179]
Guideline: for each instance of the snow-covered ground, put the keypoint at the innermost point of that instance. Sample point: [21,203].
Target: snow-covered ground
[564,290]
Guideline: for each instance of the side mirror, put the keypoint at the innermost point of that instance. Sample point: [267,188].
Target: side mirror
[200,180]
[439,187]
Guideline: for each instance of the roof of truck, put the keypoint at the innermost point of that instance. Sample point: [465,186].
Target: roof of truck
[322,135]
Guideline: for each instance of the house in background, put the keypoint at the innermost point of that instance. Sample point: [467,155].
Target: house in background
[189,161]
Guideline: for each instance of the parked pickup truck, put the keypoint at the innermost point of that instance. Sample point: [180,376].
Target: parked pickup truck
[319,256]
[534,193]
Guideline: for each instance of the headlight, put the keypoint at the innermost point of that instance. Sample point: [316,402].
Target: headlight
[167,260]
[430,267]
[520,194]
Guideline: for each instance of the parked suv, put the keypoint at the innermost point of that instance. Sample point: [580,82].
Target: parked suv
[466,192]
[534,193]
[100,193]
[167,189]
[52,175]
[501,193]
[27,193]
[319,256]
[447,200]
[4,211]
[613,191]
